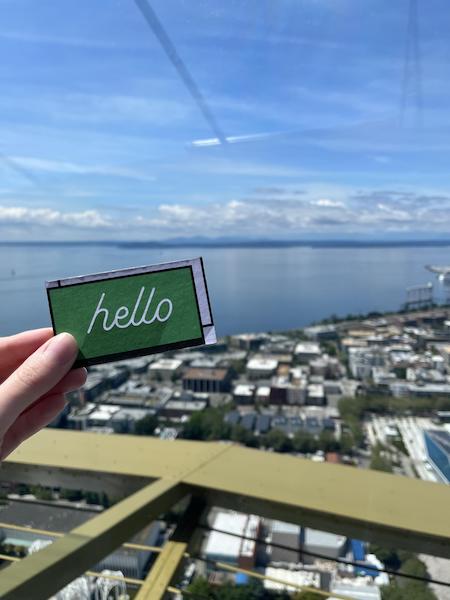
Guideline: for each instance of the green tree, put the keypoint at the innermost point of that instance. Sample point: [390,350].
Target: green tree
[305,443]
[104,500]
[146,425]
[243,436]
[253,590]
[72,495]
[347,443]
[379,461]
[278,440]
[200,587]
[414,566]
[42,493]
[92,497]
[387,556]
[409,591]
[328,442]
[307,595]
[207,425]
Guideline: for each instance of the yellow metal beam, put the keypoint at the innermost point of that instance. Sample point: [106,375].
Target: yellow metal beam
[168,563]
[162,572]
[387,509]
[43,573]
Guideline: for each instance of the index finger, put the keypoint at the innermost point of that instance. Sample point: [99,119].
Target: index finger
[14,349]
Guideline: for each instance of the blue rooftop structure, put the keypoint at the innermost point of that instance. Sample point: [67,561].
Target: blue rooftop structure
[359,555]
[437,443]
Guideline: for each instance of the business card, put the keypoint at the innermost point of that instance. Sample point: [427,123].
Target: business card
[133,312]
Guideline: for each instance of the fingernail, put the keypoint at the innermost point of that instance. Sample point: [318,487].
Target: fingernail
[62,348]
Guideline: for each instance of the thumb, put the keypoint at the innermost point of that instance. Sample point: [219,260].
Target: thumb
[36,376]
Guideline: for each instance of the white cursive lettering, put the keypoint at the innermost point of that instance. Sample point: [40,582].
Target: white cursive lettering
[122,313]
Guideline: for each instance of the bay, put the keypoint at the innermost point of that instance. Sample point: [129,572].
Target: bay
[251,289]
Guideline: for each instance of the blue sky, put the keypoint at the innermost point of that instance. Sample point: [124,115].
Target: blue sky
[100,139]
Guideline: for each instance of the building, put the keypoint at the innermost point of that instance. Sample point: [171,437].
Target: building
[262,395]
[322,542]
[166,368]
[262,424]
[214,381]
[260,368]
[248,421]
[285,534]
[437,444]
[321,333]
[244,393]
[230,548]
[248,341]
[91,416]
[125,419]
[175,409]
[283,391]
[360,588]
[307,351]
[132,563]
[297,577]
[232,418]
[134,394]
[315,394]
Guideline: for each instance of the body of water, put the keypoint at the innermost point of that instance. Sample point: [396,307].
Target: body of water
[252,289]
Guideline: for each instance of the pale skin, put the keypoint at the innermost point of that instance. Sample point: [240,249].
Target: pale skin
[35,375]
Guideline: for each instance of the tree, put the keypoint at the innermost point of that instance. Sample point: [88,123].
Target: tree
[71,495]
[244,436]
[146,425]
[42,493]
[379,460]
[254,590]
[200,587]
[328,443]
[92,498]
[307,595]
[104,500]
[409,591]
[278,440]
[347,443]
[387,556]
[305,443]
[207,425]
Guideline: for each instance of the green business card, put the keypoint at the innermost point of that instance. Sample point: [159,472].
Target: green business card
[133,312]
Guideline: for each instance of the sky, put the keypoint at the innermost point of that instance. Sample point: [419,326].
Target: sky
[335,114]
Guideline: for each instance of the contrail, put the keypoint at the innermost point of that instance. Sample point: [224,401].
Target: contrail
[257,137]
[14,166]
[182,70]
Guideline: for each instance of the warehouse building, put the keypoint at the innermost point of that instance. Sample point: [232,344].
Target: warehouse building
[207,380]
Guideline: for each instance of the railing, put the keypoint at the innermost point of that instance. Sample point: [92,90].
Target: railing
[389,510]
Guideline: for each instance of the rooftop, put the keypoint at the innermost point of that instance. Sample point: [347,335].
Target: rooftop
[208,374]
[263,364]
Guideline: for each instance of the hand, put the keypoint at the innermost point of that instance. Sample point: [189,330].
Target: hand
[34,376]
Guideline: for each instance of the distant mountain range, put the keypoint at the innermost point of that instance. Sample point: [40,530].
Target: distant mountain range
[235,242]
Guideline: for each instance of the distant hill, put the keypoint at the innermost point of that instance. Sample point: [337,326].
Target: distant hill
[235,242]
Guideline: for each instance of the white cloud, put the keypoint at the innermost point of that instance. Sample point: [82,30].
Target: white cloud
[48,217]
[371,212]
[328,203]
